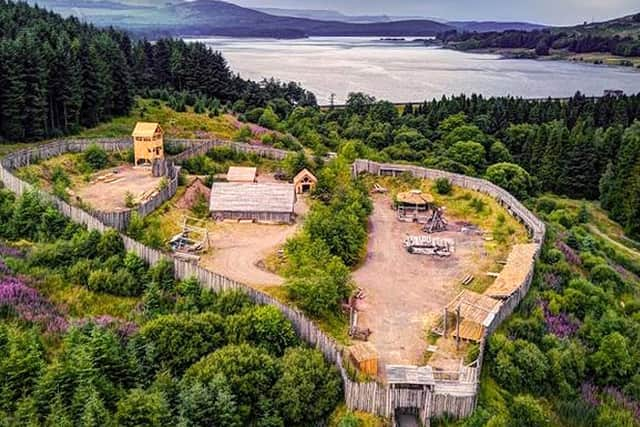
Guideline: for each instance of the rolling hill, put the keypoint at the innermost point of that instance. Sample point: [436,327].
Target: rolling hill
[214,17]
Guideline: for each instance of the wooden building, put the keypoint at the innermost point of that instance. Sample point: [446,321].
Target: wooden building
[242,174]
[413,205]
[148,143]
[305,181]
[273,203]
[365,357]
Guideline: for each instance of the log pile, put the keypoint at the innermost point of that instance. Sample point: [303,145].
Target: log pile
[426,245]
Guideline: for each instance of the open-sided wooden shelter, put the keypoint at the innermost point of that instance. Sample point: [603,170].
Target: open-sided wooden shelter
[365,357]
[304,181]
[413,205]
[473,312]
[148,142]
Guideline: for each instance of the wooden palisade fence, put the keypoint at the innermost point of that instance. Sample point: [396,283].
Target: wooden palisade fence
[455,396]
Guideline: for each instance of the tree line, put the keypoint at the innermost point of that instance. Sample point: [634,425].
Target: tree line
[58,75]
[543,40]
[527,146]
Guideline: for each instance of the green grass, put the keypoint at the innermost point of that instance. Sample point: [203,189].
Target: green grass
[176,125]
[599,223]
[364,419]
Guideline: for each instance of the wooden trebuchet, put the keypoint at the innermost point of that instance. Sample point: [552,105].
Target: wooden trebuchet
[437,222]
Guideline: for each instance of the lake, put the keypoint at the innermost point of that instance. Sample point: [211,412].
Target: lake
[406,71]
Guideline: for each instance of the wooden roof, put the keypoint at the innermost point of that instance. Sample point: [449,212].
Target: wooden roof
[470,331]
[252,197]
[304,172]
[514,272]
[475,307]
[241,174]
[363,351]
[407,374]
[414,197]
[146,129]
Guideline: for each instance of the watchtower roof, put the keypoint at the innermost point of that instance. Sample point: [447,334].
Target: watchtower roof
[146,129]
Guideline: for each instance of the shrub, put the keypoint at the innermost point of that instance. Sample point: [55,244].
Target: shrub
[161,273]
[129,200]
[477,204]
[110,244]
[143,408]
[180,340]
[99,280]
[96,157]
[512,178]
[443,186]
[80,271]
[546,205]
[528,412]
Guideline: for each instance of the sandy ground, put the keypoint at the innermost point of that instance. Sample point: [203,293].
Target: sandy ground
[111,196]
[239,248]
[405,292]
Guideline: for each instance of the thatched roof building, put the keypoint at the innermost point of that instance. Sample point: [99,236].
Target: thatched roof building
[251,201]
[242,174]
[414,198]
[515,271]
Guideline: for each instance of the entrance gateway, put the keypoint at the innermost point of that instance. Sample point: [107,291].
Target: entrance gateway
[410,393]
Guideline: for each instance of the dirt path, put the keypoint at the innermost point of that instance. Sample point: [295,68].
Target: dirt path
[237,249]
[617,244]
[406,292]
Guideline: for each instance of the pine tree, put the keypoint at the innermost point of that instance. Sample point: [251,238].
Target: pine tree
[12,87]
[35,85]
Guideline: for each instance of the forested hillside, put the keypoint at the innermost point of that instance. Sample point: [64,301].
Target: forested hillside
[581,147]
[618,37]
[92,336]
[57,75]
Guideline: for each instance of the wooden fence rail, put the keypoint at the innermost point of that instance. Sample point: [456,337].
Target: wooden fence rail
[374,397]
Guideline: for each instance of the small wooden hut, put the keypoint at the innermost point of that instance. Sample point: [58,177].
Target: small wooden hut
[413,205]
[304,181]
[148,142]
[365,357]
[242,174]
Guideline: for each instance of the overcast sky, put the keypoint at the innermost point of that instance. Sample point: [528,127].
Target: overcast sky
[557,12]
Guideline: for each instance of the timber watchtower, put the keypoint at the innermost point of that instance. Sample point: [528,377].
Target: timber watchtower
[148,144]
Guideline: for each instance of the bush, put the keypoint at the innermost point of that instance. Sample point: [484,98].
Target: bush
[96,157]
[110,244]
[512,178]
[443,186]
[143,408]
[527,412]
[175,342]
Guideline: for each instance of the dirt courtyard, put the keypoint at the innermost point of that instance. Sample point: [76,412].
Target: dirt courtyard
[405,292]
[110,196]
[238,249]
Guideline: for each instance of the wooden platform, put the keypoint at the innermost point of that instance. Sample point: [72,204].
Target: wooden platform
[475,307]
